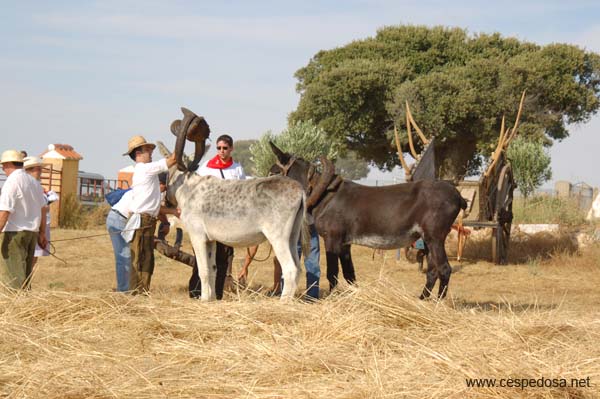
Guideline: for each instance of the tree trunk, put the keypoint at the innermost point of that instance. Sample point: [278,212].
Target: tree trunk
[453,158]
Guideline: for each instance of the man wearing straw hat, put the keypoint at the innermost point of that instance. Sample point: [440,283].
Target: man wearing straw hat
[144,207]
[22,220]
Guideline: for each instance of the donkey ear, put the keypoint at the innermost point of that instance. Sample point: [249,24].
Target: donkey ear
[283,157]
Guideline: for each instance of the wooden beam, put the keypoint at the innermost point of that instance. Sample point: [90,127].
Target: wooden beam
[408,129]
[417,128]
[402,161]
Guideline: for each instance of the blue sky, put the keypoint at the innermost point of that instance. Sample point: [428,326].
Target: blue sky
[92,74]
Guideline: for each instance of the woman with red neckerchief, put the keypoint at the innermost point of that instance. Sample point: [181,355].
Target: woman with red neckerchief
[222,166]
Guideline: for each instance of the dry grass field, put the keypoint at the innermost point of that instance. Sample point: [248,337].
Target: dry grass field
[539,317]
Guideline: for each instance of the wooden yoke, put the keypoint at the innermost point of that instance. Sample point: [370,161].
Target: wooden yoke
[517,120]
[402,161]
[409,134]
[499,148]
[505,138]
[412,121]
[424,168]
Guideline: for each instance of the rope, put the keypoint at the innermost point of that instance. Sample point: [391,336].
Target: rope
[99,235]
[52,252]
[260,260]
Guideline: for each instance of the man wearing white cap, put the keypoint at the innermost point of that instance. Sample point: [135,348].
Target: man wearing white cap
[33,166]
[145,206]
[22,220]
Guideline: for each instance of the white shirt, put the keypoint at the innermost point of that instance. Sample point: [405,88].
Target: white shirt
[51,196]
[23,197]
[146,187]
[124,204]
[234,172]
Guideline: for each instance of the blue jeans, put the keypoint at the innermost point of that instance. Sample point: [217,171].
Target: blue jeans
[115,223]
[311,264]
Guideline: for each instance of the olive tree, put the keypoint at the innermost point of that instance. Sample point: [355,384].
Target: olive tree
[530,163]
[459,87]
[303,139]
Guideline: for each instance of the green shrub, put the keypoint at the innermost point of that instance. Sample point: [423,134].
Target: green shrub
[71,216]
[531,164]
[303,139]
[77,216]
[547,209]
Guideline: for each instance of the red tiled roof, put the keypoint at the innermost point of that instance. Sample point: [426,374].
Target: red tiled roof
[65,150]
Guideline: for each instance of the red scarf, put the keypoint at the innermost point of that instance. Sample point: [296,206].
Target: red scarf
[217,163]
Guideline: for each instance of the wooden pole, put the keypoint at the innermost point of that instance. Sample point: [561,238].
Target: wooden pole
[408,129]
[402,161]
[498,150]
[517,120]
[419,131]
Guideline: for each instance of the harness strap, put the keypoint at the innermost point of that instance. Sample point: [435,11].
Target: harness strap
[285,168]
[333,185]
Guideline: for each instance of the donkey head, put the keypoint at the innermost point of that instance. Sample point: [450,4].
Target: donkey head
[313,182]
[193,128]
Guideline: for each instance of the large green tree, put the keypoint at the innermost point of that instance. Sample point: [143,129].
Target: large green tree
[458,85]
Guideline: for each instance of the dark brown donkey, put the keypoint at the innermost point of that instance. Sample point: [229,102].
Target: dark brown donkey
[376,217]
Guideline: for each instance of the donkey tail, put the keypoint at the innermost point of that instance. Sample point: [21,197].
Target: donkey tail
[305,230]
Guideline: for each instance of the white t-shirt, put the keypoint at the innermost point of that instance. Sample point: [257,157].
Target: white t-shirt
[124,204]
[146,187]
[51,196]
[24,198]
[234,172]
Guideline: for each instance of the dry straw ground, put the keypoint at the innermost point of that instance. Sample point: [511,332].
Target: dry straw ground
[71,337]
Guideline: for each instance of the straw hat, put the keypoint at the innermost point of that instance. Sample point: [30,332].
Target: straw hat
[30,162]
[11,156]
[135,142]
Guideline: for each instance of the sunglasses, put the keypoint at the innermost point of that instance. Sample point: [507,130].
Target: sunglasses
[222,148]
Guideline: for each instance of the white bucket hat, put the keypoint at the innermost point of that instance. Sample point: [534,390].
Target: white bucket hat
[30,162]
[11,156]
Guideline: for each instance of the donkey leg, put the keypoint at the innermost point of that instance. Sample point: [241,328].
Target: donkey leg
[432,275]
[438,267]
[333,248]
[443,267]
[290,266]
[332,269]
[205,260]
[445,272]
[347,265]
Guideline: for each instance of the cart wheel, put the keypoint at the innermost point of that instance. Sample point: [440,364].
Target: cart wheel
[503,216]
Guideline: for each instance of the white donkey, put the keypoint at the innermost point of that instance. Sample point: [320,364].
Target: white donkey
[238,213]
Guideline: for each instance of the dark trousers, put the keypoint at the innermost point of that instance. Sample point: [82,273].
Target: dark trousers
[224,258]
[142,256]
